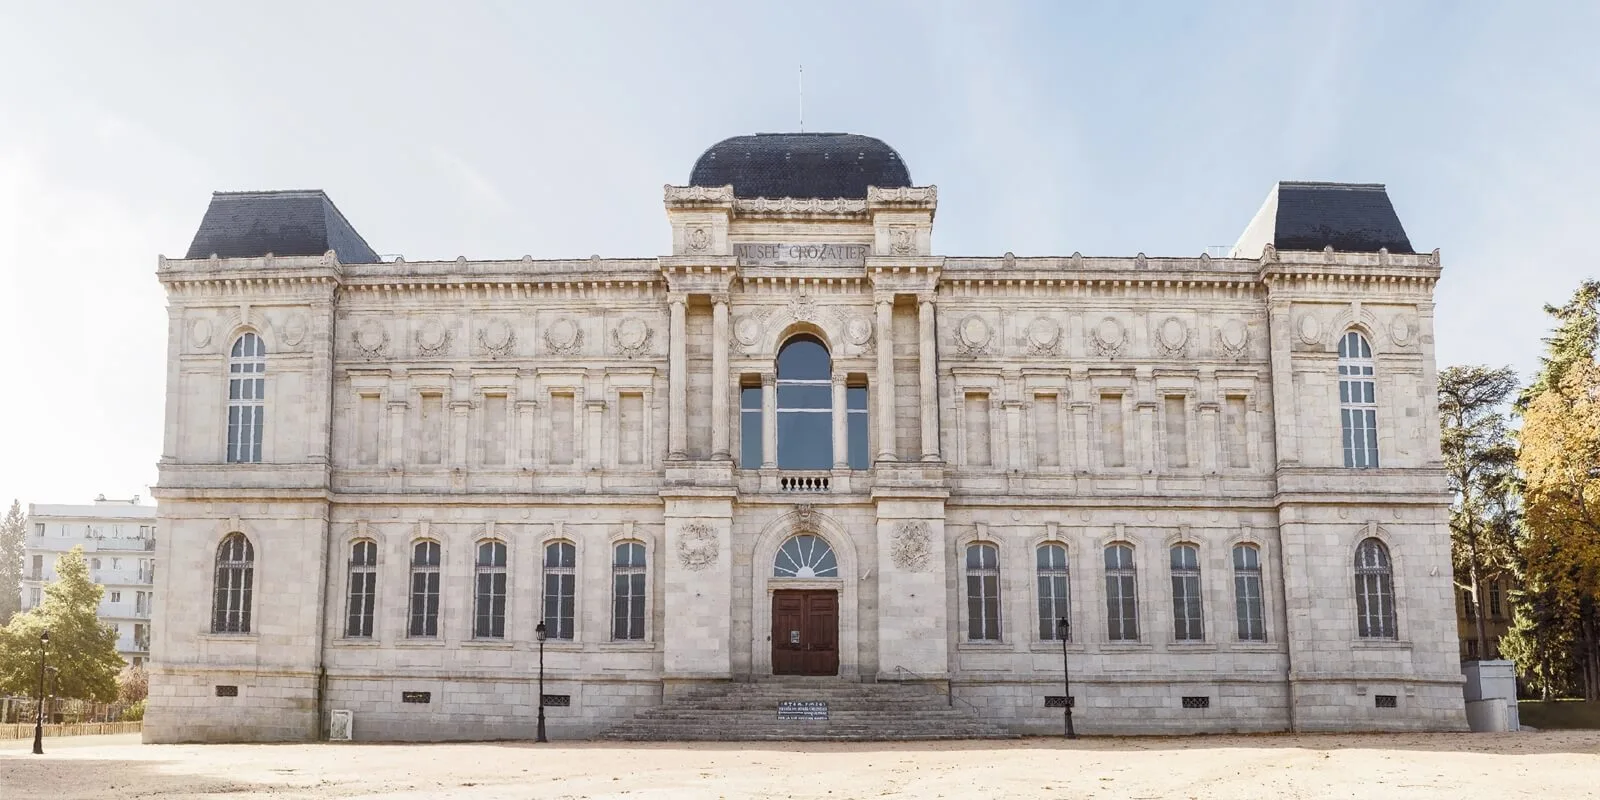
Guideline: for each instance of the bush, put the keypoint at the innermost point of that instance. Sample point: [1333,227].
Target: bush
[134,713]
[133,684]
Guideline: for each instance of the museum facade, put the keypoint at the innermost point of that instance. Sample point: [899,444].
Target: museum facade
[801,447]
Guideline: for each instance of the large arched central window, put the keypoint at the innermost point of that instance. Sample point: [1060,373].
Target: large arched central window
[805,556]
[805,404]
[1358,402]
[247,366]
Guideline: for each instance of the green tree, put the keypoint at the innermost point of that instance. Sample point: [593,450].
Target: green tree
[1480,459]
[11,554]
[81,647]
[1574,340]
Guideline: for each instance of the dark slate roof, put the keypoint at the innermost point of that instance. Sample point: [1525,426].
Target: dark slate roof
[1353,217]
[284,223]
[805,165]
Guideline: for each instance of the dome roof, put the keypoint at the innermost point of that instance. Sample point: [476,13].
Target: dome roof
[806,165]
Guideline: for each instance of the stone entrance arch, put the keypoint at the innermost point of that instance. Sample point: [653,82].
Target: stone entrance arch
[764,585]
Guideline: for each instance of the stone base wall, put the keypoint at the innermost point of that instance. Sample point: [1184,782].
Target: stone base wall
[185,707]
[1343,706]
[1106,708]
[484,709]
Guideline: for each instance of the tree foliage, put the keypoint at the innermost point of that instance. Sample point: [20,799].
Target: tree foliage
[1480,459]
[12,549]
[133,685]
[81,647]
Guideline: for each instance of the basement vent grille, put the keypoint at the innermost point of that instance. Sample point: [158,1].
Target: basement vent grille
[416,697]
[1385,701]
[1059,701]
[1197,702]
[227,691]
[557,700]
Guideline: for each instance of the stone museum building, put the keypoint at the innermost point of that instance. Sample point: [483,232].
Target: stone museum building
[801,451]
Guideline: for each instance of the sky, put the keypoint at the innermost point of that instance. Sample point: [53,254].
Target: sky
[494,130]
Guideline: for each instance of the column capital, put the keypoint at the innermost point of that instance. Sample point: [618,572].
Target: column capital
[769,379]
[677,298]
[883,298]
[926,298]
[719,298]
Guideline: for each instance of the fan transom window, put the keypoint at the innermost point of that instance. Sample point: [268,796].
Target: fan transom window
[805,556]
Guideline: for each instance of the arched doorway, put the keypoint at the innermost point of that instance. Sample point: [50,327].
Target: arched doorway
[805,621]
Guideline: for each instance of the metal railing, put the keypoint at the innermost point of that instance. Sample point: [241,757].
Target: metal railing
[949,688]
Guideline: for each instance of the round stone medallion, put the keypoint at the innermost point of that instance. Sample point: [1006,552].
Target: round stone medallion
[496,334]
[1310,328]
[631,333]
[1043,332]
[1173,333]
[859,330]
[562,333]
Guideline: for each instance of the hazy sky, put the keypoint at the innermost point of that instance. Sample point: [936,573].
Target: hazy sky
[495,130]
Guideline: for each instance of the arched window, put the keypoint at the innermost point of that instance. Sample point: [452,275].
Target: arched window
[805,404]
[247,369]
[1358,402]
[560,589]
[489,597]
[805,556]
[1374,591]
[1054,600]
[1122,604]
[1247,593]
[983,592]
[1188,620]
[363,594]
[424,617]
[236,567]
[627,591]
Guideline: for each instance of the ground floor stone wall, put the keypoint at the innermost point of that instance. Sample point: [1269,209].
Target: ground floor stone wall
[230,705]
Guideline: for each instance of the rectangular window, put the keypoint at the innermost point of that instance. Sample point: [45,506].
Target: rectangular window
[983,593]
[489,599]
[1111,440]
[38,529]
[977,413]
[116,563]
[1122,605]
[563,420]
[432,447]
[1235,423]
[1469,608]
[496,424]
[1047,430]
[37,573]
[116,597]
[750,427]
[1494,600]
[1054,602]
[1248,606]
[628,592]
[1188,623]
[630,428]
[560,589]
[424,617]
[363,592]
[858,427]
[368,409]
[33,597]
[1177,429]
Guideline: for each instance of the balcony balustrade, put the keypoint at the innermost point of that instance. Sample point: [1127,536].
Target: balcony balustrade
[805,482]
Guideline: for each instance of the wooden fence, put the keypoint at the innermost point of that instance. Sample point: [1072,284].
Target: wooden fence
[21,731]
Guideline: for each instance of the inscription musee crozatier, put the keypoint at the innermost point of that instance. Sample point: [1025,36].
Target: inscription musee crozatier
[801,255]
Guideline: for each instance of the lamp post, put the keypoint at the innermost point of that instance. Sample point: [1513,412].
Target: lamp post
[1063,631]
[539,630]
[38,720]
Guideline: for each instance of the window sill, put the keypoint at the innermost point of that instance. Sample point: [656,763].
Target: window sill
[1192,647]
[489,644]
[419,643]
[229,637]
[981,646]
[629,644]
[1127,647]
[561,646]
[1042,646]
[354,642]
[1255,645]
[1380,644]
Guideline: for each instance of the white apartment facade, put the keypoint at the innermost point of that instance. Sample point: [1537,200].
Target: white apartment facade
[119,541]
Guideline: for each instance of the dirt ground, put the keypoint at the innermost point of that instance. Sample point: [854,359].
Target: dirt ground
[1555,765]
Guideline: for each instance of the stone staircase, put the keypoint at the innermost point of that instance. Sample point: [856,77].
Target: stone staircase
[738,712]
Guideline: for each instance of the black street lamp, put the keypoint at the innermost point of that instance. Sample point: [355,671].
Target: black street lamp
[38,720]
[1063,631]
[539,631]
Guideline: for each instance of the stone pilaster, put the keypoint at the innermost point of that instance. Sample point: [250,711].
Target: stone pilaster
[928,384]
[678,380]
[719,377]
[769,420]
[841,428]
[886,436]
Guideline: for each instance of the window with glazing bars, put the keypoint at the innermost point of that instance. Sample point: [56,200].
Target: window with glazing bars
[362,598]
[1054,599]
[1375,617]
[235,579]
[1188,622]
[1248,604]
[983,592]
[750,427]
[489,597]
[1122,604]
[424,616]
[560,589]
[247,369]
[1358,402]
[627,591]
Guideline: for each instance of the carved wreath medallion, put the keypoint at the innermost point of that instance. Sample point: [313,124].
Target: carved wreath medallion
[909,548]
[1310,328]
[901,242]
[698,240]
[1233,338]
[631,337]
[563,337]
[1107,338]
[1172,337]
[294,330]
[803,308]
[433,339]
[973,335]
[697,546]
[1043,337]
[371,339]
[497,337]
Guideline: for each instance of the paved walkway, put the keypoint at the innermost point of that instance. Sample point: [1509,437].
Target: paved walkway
[1564,765]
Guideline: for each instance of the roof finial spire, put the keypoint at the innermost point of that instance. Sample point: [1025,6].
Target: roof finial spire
[802,98]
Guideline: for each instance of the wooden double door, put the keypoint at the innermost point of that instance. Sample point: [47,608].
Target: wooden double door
[805,632]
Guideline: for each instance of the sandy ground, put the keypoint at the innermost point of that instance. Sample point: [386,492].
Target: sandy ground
[1553,765]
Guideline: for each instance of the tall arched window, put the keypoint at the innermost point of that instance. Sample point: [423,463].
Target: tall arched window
[805,404]
[1358,402]
[983,592]
[363,593]
[805,556]
[560,589]
[247,369]
[424,617]
[1188,620]
[1247,593]
[1122,604]
[627,591]
[489,597]
[1054,599]
[235,581]
[1374,591]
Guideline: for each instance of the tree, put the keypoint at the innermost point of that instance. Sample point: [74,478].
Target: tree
[81,647]
[11,554]
[133,685]
[1480,459]
[1576,335]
